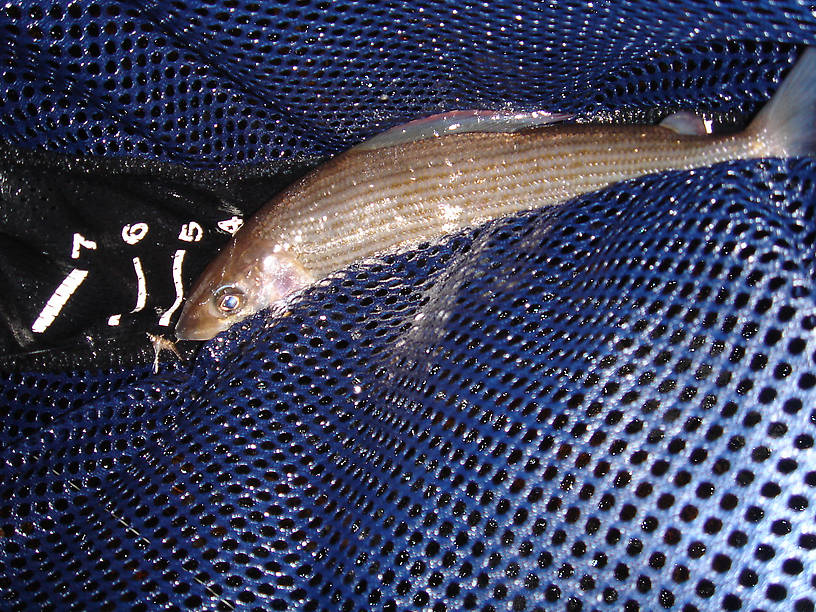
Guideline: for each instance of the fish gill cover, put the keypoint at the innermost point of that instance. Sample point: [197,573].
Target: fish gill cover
[606,405]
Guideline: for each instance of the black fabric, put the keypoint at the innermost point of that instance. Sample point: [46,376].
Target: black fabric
[604,405]
[54,207]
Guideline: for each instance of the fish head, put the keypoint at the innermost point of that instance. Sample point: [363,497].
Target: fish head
[238,283]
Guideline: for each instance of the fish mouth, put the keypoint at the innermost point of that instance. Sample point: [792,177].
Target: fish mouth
[193,326]
[184,332]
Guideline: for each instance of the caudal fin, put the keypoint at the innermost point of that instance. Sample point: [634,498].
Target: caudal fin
[788,123]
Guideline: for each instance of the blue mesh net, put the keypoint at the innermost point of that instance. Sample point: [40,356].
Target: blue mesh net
[604,405]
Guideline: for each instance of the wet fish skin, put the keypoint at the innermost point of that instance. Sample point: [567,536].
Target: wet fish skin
[370,201]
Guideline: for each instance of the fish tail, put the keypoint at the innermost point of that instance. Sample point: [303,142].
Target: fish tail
[787,125]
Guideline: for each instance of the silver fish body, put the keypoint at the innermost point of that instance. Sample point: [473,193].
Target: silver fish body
[373,200]
[370,202]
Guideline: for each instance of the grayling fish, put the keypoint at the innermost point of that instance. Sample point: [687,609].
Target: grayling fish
[434,177]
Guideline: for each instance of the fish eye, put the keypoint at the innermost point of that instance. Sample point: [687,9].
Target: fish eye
[229,299]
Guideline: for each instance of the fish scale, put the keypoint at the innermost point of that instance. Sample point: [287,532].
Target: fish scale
[414,185]
[357,220]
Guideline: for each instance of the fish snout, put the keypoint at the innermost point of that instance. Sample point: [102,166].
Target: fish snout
[197,324]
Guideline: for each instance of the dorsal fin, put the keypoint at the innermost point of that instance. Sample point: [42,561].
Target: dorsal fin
[686,123]
[460,122]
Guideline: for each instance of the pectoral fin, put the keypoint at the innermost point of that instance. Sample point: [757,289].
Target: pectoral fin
[685,123]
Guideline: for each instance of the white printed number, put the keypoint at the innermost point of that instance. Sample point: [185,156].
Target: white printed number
[81,242]
[65,289]
[134,233]
[231,225]
[191,232]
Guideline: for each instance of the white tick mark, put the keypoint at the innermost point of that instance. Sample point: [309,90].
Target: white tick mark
[58,299]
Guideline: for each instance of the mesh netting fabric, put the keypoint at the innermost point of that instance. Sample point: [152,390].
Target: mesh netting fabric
[604,405]
[223,81]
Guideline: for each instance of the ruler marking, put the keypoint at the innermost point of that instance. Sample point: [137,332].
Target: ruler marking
[58,300]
